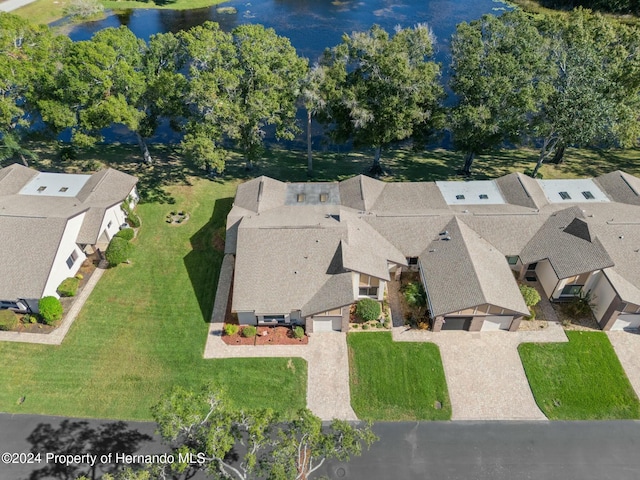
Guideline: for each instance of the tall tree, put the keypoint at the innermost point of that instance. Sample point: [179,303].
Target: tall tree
[204,425]
[314,98]
[386,88]
[500,75]
[98,84]
[270,74]
[27,52]
[594,101]
[213,77]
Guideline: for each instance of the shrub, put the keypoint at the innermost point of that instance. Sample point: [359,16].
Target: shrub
[134,220]
[368,309]
[530,295]
[118,251]
[79,276]
[50,309]
[126,233]
[579,306]
[365,327]
[231,329]
[415,295]
[8,320]
[83,8]
[249,331]
[69,287]
[298,332]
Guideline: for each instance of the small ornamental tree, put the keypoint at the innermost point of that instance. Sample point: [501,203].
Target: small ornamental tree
[118,251]
[530,295]
[368,309]
[50,309]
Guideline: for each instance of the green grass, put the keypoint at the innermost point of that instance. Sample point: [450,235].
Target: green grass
[396,381]
[579,380]
[144,328]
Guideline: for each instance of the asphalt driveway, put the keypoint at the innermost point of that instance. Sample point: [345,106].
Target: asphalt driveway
[485,376]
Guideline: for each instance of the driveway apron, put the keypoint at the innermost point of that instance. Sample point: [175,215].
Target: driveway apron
[485,376]
[627,346]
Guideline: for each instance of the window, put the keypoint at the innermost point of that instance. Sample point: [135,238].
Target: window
[571,291]
[484,196]
[41,189]
[63,189]
[412,260]
[273,319]
[588,195]
[564,195]
[324,197]
[513,259]
[459,197]
[368,286]
[72,259]
[300,197]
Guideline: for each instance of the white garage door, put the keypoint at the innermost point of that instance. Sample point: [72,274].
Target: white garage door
[626,322]
[496,322]
[327,324]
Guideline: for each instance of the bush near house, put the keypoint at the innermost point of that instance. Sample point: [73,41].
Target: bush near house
[134,220]
[368,309]
[231,329]
[118,251]
[530,295]
[50,309]
[298,332]
[8,320]
[69,287]
[249,331]
[126,233]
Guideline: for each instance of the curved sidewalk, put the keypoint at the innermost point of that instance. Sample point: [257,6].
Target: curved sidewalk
[11,5]
[328,393]
[484,373]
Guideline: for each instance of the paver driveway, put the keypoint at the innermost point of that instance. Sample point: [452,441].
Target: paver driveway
[484,373]
[328,393]
[627,346]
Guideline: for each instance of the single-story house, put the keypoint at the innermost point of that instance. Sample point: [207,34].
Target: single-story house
[50,222]
[305,252]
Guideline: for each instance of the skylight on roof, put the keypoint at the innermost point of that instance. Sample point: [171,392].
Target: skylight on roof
[484,196]
[47,184]
[564,195]
[300,197]
[42,189]
[459,197]
[63,189]
[588,195]
[474,192]
[575,190]
[324,197]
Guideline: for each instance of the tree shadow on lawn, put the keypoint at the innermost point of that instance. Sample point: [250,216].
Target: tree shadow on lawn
[78,438]
[205,258]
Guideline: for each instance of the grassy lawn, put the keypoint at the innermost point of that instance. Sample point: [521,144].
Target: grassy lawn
[579,380]
[144,328]
[396,380]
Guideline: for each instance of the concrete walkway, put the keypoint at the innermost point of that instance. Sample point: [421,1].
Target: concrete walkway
[57,336]
[328,393]
[627,346]
[11,5]
[485,376]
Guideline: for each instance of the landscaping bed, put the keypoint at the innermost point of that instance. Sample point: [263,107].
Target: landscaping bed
[579,380]
[266,336]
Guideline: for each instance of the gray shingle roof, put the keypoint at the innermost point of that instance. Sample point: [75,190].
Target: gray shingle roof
[14,177]
[519,189]
[466,271]
[620,187]
[260,194]
[360,192]
[568,254]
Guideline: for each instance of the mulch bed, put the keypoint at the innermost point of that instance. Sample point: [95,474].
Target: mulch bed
[274,336]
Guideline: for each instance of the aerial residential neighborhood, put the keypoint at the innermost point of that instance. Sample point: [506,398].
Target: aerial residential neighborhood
[293,240]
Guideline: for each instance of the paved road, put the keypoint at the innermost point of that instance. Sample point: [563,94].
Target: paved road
[424,451]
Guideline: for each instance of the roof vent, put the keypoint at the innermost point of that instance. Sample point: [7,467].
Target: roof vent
[447,238]
[444,233]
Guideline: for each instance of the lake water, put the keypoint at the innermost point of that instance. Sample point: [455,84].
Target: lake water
[311,25]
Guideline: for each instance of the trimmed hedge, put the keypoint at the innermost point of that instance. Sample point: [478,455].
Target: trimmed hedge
[134,220]
[368,309]
[126,233]
[69,287]
[118,251]
[298,332]
[8,320]
[50,309]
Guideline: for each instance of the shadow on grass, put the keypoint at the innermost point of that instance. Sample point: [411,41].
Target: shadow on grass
[79,438]
[205,258]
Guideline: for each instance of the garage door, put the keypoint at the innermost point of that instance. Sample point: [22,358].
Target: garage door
[327,324]
[626,322]
[496,322]
[456,323]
